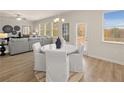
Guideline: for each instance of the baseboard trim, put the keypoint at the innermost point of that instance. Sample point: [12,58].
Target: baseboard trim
[106,59]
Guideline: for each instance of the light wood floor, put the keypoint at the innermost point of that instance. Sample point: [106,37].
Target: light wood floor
[19,68]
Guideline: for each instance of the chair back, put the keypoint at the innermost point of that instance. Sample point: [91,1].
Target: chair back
[57,66]
[36,47]
[81,49]
[39,58]
[62,40]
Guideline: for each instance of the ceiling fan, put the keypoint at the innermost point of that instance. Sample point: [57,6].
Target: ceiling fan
[19,17]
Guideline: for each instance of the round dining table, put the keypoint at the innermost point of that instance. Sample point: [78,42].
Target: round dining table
[68,48]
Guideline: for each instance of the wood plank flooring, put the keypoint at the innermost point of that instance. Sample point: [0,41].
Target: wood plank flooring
[19,68]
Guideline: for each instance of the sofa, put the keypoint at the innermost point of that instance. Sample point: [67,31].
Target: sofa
[43,41]
[20,45]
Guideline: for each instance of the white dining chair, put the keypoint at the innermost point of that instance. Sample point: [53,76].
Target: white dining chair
[57,66]
[76,60]
[39,57]
[62,40]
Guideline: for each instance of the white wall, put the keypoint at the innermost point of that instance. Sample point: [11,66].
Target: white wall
[96,47]
[13,22]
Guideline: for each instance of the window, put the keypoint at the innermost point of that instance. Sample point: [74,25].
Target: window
[26,30]
[45,29]
[48,29]
[55,29]
[65,31]
[42,31]
[114,26]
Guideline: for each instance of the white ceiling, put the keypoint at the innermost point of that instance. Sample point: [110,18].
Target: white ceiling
[32,15]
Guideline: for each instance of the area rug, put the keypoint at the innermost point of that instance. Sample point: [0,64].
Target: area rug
[74,76]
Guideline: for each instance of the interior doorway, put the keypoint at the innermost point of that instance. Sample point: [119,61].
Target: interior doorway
[81,36]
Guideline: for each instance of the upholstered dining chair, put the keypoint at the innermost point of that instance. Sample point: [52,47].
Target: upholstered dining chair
[62,40]
[39,57]
[76,60]
[57,66]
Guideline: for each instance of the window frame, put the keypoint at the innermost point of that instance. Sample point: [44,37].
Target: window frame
[103,40]
[50,28]
[53,29]
[66,29]
[30,31]
[44,27]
